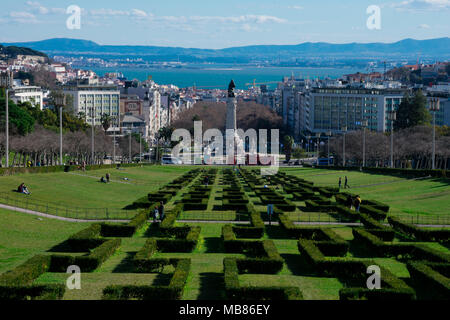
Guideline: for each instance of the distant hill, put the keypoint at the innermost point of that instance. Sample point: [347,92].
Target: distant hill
[435,48]
[12,52]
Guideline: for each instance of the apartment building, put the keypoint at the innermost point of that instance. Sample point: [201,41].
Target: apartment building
[331,109]
[92,101]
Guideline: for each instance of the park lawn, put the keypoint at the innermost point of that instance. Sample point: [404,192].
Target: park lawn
[23,236]
[83,190]
[413,197]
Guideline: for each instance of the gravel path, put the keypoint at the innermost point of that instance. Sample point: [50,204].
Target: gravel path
[48,216]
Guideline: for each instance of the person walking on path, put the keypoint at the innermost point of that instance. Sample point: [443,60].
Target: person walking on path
[155,215]
[161,210]
[340,183]
[346,183]
[357,203]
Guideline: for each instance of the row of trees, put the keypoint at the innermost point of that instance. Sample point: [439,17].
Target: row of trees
[412,148]
[34,136]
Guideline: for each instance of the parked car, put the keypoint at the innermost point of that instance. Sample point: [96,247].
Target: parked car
[170,160]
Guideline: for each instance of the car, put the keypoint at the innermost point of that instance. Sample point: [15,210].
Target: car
[170,160]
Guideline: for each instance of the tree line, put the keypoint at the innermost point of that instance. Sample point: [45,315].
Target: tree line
[34,137]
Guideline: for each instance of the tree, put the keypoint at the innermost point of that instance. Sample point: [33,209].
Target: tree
[298,153]
[19,118]
[106,121]
[412,112]
[288,142]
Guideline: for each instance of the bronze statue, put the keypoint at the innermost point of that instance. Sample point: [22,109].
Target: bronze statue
[231,87]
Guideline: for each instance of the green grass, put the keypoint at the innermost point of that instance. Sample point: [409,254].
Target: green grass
[22,236]
[418,198]
[81,195]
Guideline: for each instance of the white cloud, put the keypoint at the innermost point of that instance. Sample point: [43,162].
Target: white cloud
[296,7]
[38,8]
[249,18]
[424,26]
[417,5]
[139,13]
[23,17]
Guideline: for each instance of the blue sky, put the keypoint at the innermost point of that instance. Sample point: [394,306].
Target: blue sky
[220,24]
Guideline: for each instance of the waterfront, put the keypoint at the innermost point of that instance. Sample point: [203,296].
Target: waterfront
[214,76]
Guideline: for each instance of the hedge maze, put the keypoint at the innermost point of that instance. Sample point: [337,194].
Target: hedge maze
[248,258]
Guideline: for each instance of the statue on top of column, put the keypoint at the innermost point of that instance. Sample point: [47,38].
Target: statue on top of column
[231,87]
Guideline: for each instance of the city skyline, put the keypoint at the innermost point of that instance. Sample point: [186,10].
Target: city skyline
[227,24]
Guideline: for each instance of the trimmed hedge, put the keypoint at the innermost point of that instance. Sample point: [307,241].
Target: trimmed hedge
[53,169]
[88,263]
[86,239]
[27,272]
[413,173]
[435,284]
[438,235]
[403,251]
[235,292]
[174,291]
[33,292]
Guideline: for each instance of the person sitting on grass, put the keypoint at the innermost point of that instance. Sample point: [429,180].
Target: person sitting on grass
[103,180]
[107,177]
[23,189]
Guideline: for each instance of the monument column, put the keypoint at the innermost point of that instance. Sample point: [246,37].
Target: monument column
[231,107]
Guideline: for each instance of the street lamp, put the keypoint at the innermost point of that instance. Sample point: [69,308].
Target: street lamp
[7,126]
[92,134]
[392,116]
[364,125]
[434,107]
[329,135]
[9,82]
[114,119]
[344,130]
[318,146]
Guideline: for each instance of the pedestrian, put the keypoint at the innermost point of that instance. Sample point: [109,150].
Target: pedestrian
[161,210]
[155,215]
[350,202]
[346,183]
[270,212]
[107,177]
[357,203]
[340,183]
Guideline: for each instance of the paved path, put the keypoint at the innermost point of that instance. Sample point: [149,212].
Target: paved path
[49,216]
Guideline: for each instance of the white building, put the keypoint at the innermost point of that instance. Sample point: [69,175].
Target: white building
[93,101]
[331,109]
[31,94]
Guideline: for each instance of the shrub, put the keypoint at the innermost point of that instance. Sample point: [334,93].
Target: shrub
[88,263]
[373,212]
[86,239]
[34,292]
[25,273]
[173,291]
[435,284]
[438,235]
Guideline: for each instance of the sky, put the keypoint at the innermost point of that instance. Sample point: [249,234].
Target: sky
[217,24]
